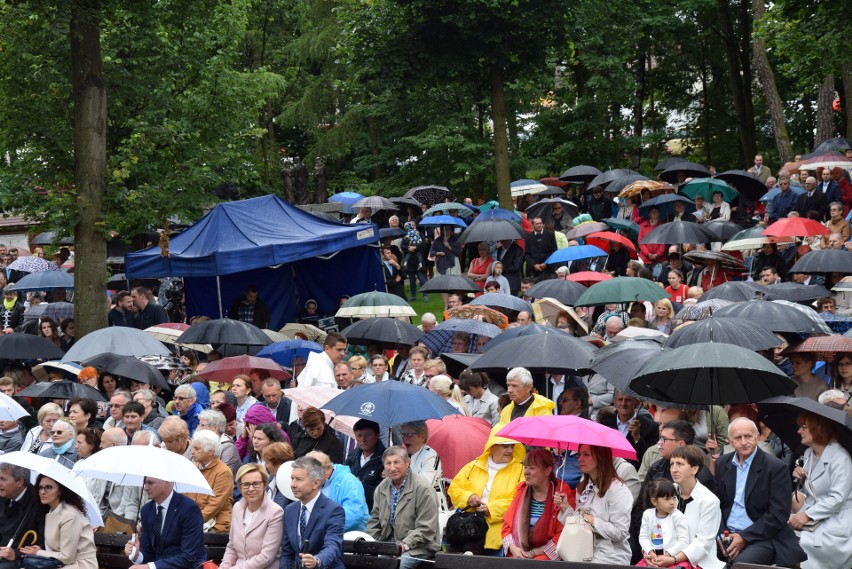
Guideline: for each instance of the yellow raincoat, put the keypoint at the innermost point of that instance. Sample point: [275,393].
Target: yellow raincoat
[473,477]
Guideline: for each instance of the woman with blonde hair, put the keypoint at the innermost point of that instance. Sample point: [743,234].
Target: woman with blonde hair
[663,316]
[442,385]
[359,367]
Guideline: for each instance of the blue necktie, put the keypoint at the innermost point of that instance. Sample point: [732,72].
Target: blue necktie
[303,522]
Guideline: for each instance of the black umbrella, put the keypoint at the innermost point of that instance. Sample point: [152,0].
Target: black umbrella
[722,230]
[745,182]
[678,232]
[622,182]
[232,350]
[712,374]
[430,195]
[505,303]
[392,232]
[780,414]
[28,347]
[796,292]
[522,331]
[406,201]
[737,291]
[450,283]
[544,209]
[51,238]
[773,316]
[224,331]
[723,260]
[61,389]
[833,144]
[492,230]
[690,169]
[383,331]
[825,261]
[725,330]
[549,352]
[128,367]
[666,163]
[580,173]
[605,178]
[618,363]
[566,292]
[552,191]
[458,362]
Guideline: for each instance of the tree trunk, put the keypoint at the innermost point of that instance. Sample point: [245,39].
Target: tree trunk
[639,106]
[740,89]
[825,97]
[770,89]
[90,121]
[501,139]
[378,170]
[847,97]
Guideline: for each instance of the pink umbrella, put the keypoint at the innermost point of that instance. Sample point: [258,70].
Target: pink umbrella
[317,396]
[225,369]
[457,439]
[567,432]
[588,278]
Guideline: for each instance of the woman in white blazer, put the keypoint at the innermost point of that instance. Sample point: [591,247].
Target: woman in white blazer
[256,524]
[701,509]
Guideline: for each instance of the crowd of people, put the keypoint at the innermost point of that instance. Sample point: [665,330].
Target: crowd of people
[707,486]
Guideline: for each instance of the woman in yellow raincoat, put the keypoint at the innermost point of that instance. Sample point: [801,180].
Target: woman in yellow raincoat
[488,485]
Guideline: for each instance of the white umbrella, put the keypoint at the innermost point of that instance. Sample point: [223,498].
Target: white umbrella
[633,332]
[10,410]
[52,469]
[129,465]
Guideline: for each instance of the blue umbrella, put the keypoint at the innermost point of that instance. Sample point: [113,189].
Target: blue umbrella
[442,220]
[665,203]
[470,326]
[574,254]
[390,403]
[439,341]
[283,353]
[45,280]
[499,300]
[347,199]
[497,213]
[770,195]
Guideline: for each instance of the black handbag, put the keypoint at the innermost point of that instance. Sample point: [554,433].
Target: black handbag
[40,562]
[465,527]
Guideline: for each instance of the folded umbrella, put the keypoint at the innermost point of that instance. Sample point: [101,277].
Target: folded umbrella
[388,331]
[824,261]
[128,367]
[567,432]
[565,291]
[61,389]
[458,440]
[711,374]
[380,402]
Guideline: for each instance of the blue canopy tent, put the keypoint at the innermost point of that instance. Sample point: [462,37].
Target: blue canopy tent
[273,245]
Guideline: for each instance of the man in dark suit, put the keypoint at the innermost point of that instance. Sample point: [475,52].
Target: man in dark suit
[273,397]
[511,255]
[540,245]
[313,526]
[813,200]
[639,428]
[755,494]
[20,512]
[171,536]
[829,188]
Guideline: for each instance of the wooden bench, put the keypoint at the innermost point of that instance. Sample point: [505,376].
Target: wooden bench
[110,547]
[456,561]
[362,554]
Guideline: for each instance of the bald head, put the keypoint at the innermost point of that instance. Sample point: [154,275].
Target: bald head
[113,437]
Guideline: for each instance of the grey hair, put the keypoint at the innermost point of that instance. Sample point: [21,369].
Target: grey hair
[312,466]
[17,472]
[743,419]
[520,373]
[418,428]
[215,418]
[208,441]
[831,395]
[124,393]
[428,317]
[396,450]
[146,394]
[148,438]
[187,391]
[836,204]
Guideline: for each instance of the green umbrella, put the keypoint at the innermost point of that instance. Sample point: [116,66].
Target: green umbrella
[375,304]
[707,187]
[621,289]
[630,227]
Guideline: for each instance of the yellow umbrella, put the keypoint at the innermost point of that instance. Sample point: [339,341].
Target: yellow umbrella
[636,188]
[547,309]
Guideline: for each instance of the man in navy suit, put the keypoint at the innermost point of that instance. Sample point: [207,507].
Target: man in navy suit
[313,526]
[754,490]
[171,536]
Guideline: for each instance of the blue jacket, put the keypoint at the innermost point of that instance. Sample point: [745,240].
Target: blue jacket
[191,417]
[324,534]
[345,489]
[182,541]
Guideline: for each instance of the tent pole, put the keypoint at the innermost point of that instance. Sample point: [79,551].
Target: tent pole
[219,295]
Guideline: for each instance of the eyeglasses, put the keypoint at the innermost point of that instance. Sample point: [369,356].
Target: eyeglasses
[178,398]
[429,376]
[48,488]
[667,440]
[247,485]
[58,432]
[844,364]
[114,405]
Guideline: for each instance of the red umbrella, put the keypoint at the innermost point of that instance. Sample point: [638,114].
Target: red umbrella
[457,439]
[824,348]
[225,369]
[605,239]
[795,227]
[588,278]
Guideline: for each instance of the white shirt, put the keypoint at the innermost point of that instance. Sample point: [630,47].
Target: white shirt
[165,504]
[310,508]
